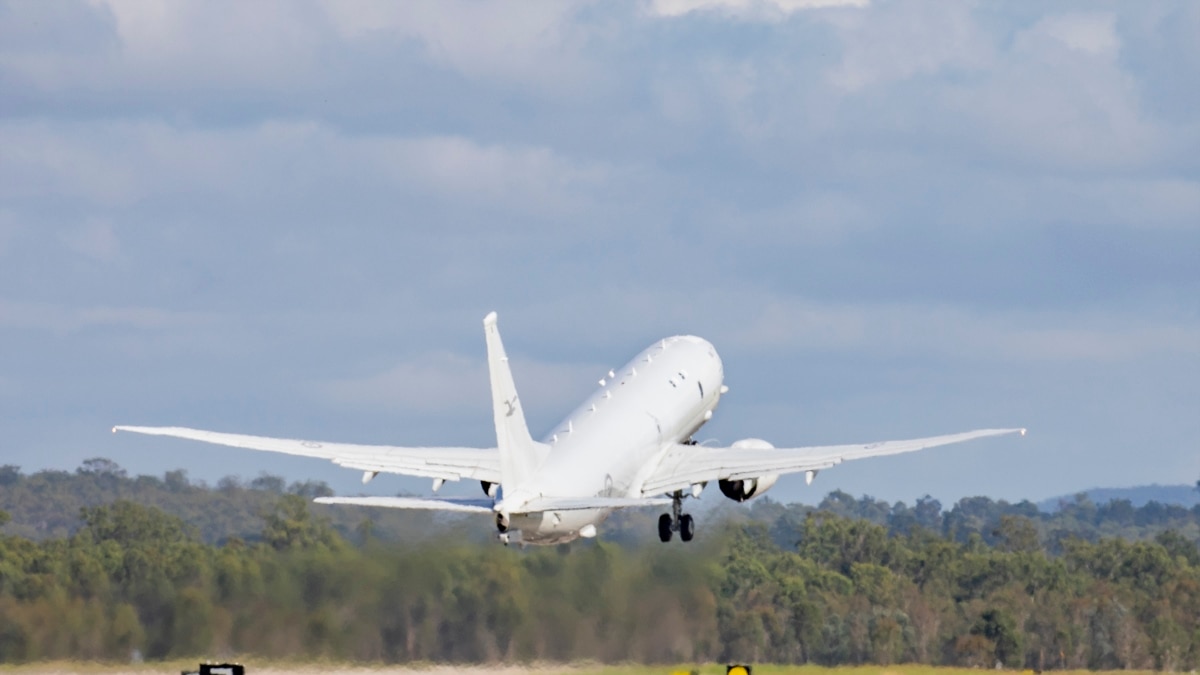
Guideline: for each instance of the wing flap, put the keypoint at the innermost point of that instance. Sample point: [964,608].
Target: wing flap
[685,465]
[452,463]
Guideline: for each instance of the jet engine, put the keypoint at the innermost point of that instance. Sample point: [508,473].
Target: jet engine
[741,490]
[489,489]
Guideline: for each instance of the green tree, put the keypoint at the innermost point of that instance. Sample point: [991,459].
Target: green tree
[1000,629]
[10,474]
[291,525]
[1017,533]
[128,523]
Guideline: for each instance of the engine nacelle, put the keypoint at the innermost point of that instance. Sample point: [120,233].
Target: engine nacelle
[489,489]
[741,490]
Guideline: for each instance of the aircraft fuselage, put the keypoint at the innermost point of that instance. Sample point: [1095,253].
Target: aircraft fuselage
[613,441]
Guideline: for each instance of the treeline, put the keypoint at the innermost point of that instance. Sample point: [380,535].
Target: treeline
[771,583]
[1078,518]
[135,579]
[46,504]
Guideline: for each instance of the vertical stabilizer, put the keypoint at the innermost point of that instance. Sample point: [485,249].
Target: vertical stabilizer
[520,455]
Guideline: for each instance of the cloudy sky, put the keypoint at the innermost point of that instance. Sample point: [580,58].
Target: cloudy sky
[893,219]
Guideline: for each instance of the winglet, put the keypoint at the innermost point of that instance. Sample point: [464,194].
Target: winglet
[520,456]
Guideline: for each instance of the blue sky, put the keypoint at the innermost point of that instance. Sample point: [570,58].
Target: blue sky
[893,219]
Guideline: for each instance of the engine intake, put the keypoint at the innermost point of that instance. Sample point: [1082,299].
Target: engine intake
[748,488]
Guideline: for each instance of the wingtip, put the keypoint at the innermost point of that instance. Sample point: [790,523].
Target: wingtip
[1023,430]
[490,319]
[114,430]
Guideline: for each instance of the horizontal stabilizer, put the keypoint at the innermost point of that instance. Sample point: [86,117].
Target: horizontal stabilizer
[460,505]
[539,504]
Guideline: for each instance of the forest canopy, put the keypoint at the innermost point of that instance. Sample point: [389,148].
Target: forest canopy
[96,564]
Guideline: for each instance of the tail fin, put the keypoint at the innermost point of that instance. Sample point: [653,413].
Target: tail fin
[520,455]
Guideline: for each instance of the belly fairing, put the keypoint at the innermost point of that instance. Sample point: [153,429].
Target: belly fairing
[555,527]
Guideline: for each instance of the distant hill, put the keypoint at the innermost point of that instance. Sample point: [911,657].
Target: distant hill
[1182,495]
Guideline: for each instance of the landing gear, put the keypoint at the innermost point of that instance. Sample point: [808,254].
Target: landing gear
[502,528]
[676,521]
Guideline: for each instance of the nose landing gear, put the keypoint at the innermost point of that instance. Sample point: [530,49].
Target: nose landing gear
[676,521]
[502,529]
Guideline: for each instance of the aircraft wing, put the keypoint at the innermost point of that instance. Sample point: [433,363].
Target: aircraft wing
[685,465]
[445,463]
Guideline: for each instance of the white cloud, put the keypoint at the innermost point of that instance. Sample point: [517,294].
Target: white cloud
[1050,95]
[1010,202]
[53,46]
[121,163]
[531,42]
[745,9]
[9,227]
[283,183]
[94,239]
[448,383]
[216,42]
[42,159]
[518,176]
[958,332]
[63,319]
[754,320]
[1093,33]
[432,383]
[897,41]
[1138,203]
[244,50]
[815,217]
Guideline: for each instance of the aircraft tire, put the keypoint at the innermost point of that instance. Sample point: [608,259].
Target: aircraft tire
[687,527]
[664,528]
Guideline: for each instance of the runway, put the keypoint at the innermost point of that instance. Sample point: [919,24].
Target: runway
[177,667]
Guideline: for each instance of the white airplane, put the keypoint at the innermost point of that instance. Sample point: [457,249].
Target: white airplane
[627,445]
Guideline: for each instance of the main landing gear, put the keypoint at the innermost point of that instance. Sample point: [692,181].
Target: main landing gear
[676,521]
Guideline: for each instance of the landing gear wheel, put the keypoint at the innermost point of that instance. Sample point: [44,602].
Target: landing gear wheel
[687,527]
[664,528]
